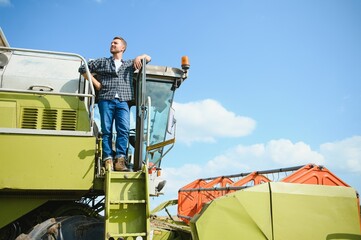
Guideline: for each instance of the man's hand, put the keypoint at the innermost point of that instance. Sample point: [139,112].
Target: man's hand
[138,61]
[97,85]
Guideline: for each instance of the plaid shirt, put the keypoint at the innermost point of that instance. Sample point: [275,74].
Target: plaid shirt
[113,82]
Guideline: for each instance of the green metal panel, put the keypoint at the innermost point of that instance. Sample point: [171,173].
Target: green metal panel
[127,205]
[46,149]
[281,211]
[8,109]
[41,111]
[242,215]
[302,211]
[12,208]
[43,143]
[45,162]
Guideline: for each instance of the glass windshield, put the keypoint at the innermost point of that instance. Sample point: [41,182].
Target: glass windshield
[161,97]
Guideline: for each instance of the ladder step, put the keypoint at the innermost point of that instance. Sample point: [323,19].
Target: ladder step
[125,175]
[126,201]
[126,234]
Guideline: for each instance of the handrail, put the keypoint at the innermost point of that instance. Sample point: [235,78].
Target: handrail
[45,93]
[25,131]
[149,104]
[213,189]
[278,170]
[140,115]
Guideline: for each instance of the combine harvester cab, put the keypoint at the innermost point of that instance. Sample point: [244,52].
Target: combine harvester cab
[51,176]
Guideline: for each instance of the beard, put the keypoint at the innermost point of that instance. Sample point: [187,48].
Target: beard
[114,50]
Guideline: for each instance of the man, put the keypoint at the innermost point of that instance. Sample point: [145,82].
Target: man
[114,83]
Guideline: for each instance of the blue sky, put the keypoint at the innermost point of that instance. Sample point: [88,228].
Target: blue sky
[272,83]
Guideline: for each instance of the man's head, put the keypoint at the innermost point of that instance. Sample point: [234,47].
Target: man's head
[118,45]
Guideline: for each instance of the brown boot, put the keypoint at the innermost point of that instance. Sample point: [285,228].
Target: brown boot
[119,165]
[109,165]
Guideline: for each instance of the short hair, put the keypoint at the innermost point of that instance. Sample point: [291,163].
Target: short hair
[123,41]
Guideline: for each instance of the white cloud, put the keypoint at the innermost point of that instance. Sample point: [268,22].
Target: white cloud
[206,120]
[344,155]
[339,157]
[274,154]
[241,159]
[177,177]
[5,3]
[284,152]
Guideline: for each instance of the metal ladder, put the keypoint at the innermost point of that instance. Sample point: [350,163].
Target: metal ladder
[127,205]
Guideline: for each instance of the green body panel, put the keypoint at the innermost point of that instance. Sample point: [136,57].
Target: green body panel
[280,211]
[245,214]
[8,109]
[44,162]
[303,211]
[47,151]
[12,208]
[47,112]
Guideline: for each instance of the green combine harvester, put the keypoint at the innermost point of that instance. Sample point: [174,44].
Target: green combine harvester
[53,184]
[51,175]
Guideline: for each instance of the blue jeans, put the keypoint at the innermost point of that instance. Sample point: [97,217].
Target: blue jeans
[118,112]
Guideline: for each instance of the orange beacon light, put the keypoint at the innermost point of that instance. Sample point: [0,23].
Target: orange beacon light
[185,63]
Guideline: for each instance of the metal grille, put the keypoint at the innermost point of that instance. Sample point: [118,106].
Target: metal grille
[29,118]
[68,120]
[49,119]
